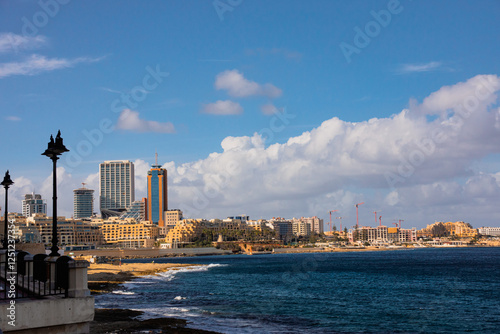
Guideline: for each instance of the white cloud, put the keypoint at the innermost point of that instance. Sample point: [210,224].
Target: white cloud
[238,86]
[295,178]
[424,67]
[226,107]
[129,120]
[13,118]
[10,42]
[339,163]
[269,109]
[36,64]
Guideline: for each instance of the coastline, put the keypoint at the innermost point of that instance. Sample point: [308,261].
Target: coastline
[105,278]
[150,253]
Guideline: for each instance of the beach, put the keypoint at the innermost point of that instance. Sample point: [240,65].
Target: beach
[105,277]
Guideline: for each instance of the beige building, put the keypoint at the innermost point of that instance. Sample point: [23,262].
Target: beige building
[315,223]
[172,217]
[382,235]
[184,232]
[69,231]
[301,227]
[448,229]
[129,233]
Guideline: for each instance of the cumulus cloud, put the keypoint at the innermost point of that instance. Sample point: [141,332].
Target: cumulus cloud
[129,120]
[238,86]
[36,64]
[10,42]
[226,107]
[296,177]
[339,164]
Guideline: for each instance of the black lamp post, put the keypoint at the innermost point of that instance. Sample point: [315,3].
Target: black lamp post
[6,183]
[53,151]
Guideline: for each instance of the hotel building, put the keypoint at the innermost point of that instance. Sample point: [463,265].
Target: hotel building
[116,186]
[83,203]
[157,195]
[33,203]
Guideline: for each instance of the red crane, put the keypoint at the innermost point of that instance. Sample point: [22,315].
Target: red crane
[331,218]
[340,218]
[398,224]
[375,212]
[357,219]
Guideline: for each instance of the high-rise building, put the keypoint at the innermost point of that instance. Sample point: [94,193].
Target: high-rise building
[83,202]
[157,194]
[33,203]
[116,186]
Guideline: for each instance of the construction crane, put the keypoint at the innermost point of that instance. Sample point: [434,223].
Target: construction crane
[398,224]
[380,221]
[331,218]
[357,218]
[375,212]
[340,218]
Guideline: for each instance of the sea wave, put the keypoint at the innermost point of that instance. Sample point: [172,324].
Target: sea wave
[159,312]
[171,273]
[121,292]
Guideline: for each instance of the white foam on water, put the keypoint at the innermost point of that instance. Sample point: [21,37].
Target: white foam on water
[159,312]
[179,298]
[121,292]
[171,273]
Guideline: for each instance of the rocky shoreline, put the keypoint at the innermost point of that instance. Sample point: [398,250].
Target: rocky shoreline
[105,278]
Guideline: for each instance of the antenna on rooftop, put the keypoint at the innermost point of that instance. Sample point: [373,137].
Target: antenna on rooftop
[156,158]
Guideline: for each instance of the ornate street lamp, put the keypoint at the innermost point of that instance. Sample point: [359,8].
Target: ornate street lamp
[53,151]
[6,183]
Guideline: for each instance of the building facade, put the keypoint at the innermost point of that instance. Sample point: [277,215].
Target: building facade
[128,232]
[83,203]
[157,195]
[493,231]
[382,235]
[69,231]
[116,187]
[172,217]
[137,210]
[441,229]
[33,203]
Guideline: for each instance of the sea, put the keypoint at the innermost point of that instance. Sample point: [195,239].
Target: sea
[430,290]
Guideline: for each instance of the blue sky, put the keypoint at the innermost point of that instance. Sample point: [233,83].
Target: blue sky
[272,68]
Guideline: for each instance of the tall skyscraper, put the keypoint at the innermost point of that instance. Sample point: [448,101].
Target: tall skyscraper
[116,186]
[157,194]
[33,203]
[83,202]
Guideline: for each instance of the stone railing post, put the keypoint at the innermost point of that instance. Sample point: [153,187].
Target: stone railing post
[78,282]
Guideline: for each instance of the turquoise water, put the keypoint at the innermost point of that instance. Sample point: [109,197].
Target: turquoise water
[403,291]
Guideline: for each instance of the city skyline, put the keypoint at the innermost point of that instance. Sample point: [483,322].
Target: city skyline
[381,106]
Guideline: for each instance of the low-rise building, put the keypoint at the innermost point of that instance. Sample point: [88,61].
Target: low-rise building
[441,229]
[184,232]
[129,233]
[69,231]
[382,235]
[492,231]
